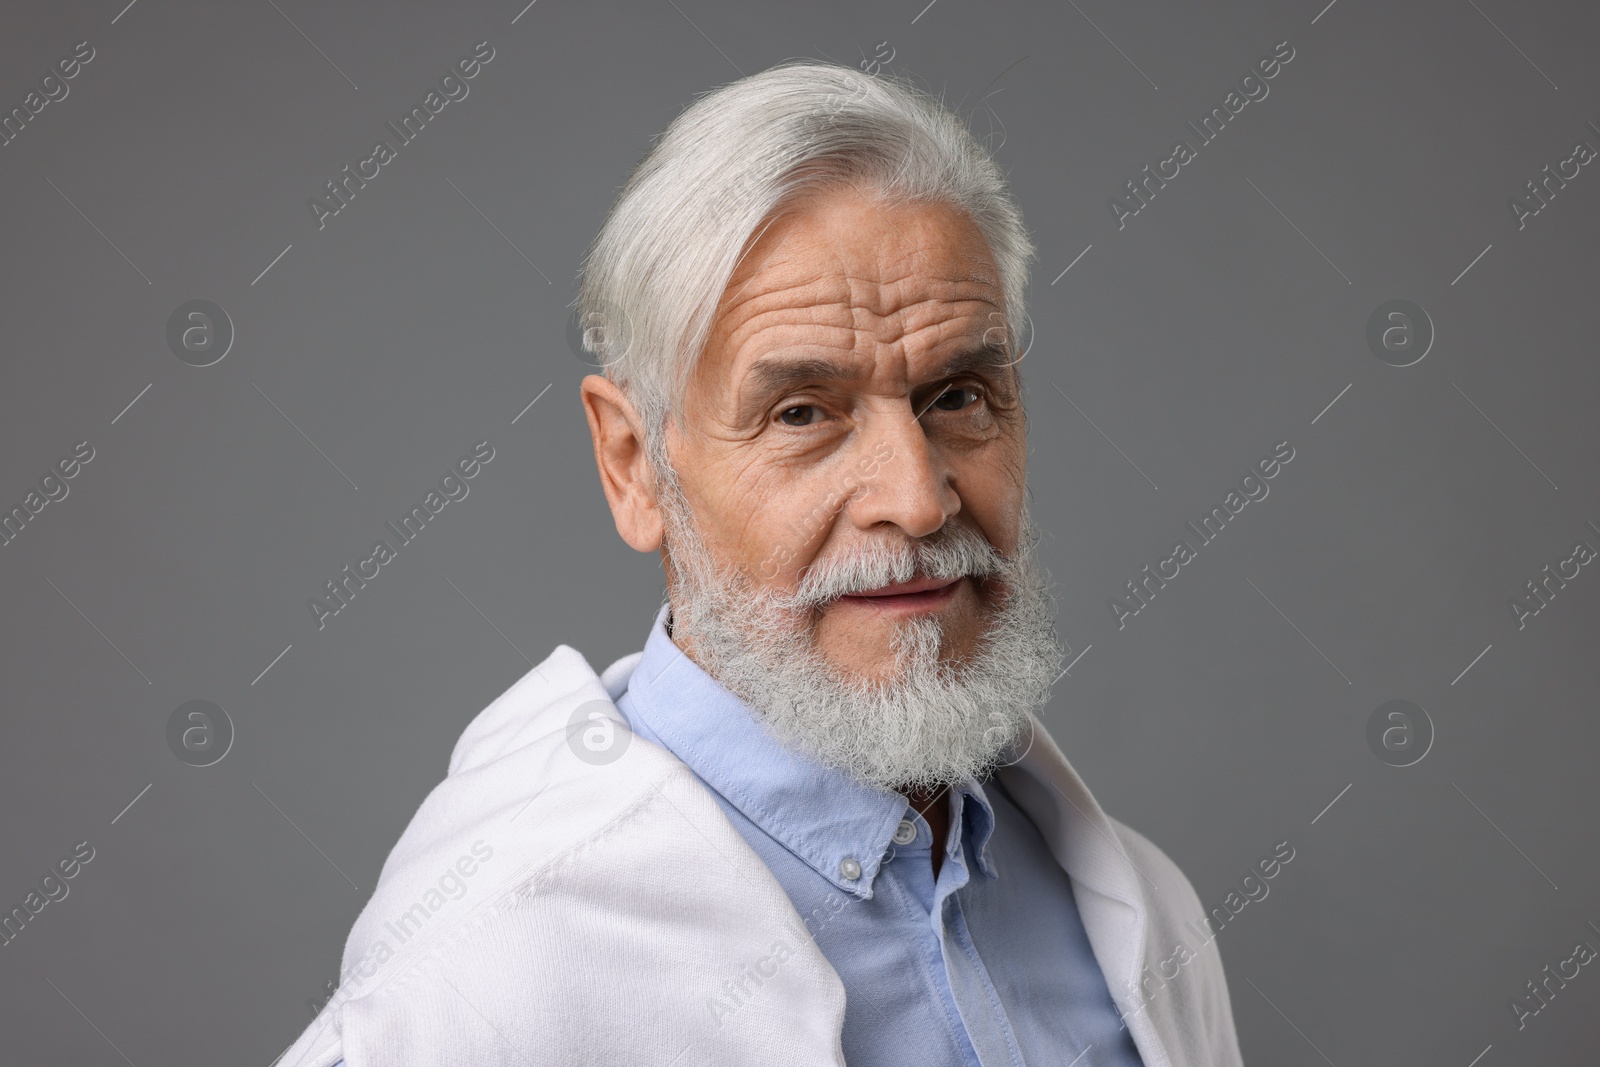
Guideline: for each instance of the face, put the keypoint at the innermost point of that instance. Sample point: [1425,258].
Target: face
[856,394]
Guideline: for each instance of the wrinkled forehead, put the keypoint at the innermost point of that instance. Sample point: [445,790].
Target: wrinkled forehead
[841,233]
[845,270]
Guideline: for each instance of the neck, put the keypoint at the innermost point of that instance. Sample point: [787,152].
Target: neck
[934,806]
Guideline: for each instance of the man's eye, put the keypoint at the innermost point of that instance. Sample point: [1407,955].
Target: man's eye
[956,399]
[803,415]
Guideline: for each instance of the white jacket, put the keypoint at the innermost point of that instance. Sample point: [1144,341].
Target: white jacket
[545,908]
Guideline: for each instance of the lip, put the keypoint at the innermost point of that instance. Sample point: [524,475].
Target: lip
[917,595]
[916,585]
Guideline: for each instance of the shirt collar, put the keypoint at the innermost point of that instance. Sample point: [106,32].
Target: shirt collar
[828,818]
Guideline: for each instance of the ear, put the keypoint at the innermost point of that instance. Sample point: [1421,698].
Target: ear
[623,462]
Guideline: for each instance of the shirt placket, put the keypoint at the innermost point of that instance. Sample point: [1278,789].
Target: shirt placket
[977,1001]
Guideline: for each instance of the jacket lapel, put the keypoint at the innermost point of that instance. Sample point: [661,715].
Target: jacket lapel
[1111,892]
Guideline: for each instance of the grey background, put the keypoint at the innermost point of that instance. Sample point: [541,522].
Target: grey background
[1225,718]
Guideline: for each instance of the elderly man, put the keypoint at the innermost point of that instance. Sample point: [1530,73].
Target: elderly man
[815,820]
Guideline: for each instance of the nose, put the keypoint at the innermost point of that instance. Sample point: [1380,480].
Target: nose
[911,488]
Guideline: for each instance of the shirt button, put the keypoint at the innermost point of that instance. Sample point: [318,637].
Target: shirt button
[849,869]
[905,833]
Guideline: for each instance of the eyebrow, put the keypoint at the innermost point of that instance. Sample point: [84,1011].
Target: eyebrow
[779,374]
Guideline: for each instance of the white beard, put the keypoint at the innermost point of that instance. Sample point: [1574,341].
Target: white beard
[929,723]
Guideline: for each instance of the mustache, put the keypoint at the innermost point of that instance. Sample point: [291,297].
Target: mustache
[954,552]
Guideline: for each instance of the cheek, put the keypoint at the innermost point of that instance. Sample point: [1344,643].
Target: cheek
[785,516]
[751,513]
[992,489]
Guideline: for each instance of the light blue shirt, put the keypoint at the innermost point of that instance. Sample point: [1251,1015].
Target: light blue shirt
[987,965]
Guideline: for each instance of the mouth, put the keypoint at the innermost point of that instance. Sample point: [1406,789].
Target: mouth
[917,595]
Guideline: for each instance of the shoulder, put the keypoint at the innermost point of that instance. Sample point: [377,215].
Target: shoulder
[1173,892]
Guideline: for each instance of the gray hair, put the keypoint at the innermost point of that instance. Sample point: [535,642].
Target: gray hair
[725,167]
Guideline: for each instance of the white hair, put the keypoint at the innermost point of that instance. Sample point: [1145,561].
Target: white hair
[732,161]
